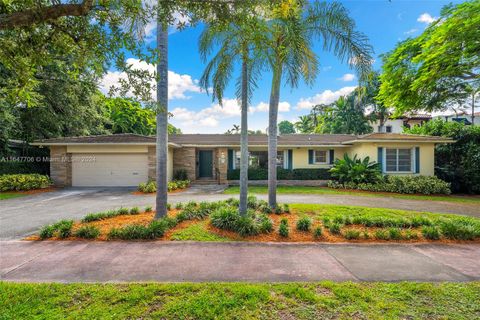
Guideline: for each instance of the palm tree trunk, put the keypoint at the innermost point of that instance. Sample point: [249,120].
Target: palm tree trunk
[244,139]
[272,137]
[162,120]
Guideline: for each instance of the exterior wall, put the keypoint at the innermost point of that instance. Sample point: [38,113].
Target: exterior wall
[185,158]
[300,157]
[152,164]
[107,149]
[427,154]
[221,155]
[396,124]
[308,183]
[60,166]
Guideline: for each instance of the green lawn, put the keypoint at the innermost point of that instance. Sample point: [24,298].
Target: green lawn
[323,300]
[324,190]
[6,195]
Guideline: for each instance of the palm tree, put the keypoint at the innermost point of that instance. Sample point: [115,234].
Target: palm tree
[292,27]
[304,124]
[239,43]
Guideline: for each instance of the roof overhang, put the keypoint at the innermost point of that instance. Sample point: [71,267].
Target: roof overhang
[41,144]
[400,141]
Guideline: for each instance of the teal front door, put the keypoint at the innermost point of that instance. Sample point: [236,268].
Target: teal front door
[205,158]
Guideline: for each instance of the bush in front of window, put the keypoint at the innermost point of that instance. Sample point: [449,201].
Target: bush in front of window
[23,182]
[399,184]
[282,174]
[355,170]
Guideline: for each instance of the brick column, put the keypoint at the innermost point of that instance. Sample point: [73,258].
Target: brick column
[185,158]
[152,163]
[222,164]
[60,166]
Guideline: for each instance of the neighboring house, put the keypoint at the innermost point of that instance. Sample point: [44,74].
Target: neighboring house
[462,117]
[395,125]
[129,159]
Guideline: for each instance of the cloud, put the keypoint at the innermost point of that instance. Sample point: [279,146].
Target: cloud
[178,84]
[325,97]
[426,18]
[263,107]
[411,31]
[347,77]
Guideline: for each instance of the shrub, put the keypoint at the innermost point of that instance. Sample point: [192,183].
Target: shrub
[87,232]
[252,202]
[169,206]
[23,182]
[335,228]
[366,235]
[410,234]
[399,184]
[265,224]
[64,228]
[134,210]
[283,229]
[179,206]
[458,230]
[282,174]
[382,235]
[245,226]
[122,211]
[155,229]
[317,233]
[100,216]
[151,186]
[355,170]
[394,234]
[47,232]
[431,232]
[286,208]
[224,218]
[180,175]
[148,209]
[265,208]
[352,234]
[304,224]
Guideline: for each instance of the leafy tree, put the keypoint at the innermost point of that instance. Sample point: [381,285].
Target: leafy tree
[286,127]
[457,162]
[241,44]
[305,124]
[293,25]
[437,69]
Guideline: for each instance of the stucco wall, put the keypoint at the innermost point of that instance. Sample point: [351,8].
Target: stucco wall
[300,157]
[107,149]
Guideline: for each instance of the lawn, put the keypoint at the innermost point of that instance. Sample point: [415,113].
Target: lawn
[325,190]
[6,195]
[323,300]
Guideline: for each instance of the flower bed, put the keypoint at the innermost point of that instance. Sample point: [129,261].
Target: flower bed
[151,186]
[24,182]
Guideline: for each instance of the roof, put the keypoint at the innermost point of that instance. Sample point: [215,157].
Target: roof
[290,140]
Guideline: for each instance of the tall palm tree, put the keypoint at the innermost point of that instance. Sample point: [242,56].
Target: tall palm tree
[239,42]
[304,124]
[293,25]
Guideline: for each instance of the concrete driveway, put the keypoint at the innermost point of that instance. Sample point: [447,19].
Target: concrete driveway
[25,215]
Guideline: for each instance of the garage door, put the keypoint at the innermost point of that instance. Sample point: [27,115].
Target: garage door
[109,170]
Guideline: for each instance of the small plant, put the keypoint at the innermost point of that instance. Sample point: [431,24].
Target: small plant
[265,224]
[458,230]
[148,209]
[122,211]
[224,218]
[180,174]
[352,234]
[87,232]
[134,210]
[366,235]
[304,224]
[169,206]
[64,228]
[265,208]
[410,235]
[278,210]
[326,222]
[47,232]
[394,234]
[317,233]
[286,208]
[381,235]
[283,228]
[431,232]
[245,226]
[179,206]
[335,228]
[252,202]
[338,219]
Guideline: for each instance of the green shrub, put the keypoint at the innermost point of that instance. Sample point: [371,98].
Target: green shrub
[47,232]
[355,170]
[317,233]
[410,235]
[282,174]
[431,232]
[283,228]
[134,210]
[169,206]
[458,230]
[151,186]
[394,234]
[304,224]
[148,209]
[326,222]
[179,206]
[278,210]
[64,228]
[366,235]
[87,232]
[252,202]
[265,224]
[224,218]
[335,228]
[122,211]
[351,234]
[23,182]
[265,208]
[399,184]
[99,216]
[180,175]
[382,235]
[286,208]
[155,229]
[245,226]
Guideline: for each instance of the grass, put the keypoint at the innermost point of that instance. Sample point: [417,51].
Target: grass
[324,190]
[6,195]
[197,232]
[323,300]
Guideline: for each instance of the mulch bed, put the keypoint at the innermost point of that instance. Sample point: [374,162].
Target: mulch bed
[35,191]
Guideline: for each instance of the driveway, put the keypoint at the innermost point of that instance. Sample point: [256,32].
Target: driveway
[22,216]
[93,261]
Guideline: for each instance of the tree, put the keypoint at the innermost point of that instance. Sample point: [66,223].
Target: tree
[240,44]
[293,24]
[437,69]
[286,127]
[305,124]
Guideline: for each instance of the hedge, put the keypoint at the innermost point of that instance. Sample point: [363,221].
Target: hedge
[22,182]
[282,174]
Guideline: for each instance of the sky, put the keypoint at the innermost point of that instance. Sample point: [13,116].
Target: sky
[385,23]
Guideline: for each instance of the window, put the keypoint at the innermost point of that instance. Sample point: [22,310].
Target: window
[388,128]
[398,160]
[320,156]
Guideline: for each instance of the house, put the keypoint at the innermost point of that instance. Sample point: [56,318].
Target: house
[395,125]
[129,159]
[462,117]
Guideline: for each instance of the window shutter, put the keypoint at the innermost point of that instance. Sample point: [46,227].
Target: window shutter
[230,159]
[332,156]
[380,158]
[310,156]
[290,159]
[417,159]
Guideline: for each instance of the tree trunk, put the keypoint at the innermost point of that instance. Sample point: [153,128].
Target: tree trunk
[244,139]
[272,137]
[162,120]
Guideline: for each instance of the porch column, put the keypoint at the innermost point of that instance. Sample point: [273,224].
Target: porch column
[222,164]
[60,166]
[152,163]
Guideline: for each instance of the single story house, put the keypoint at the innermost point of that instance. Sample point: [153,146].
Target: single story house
[129,159]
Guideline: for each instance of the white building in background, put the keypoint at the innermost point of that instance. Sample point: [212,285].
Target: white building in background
[395,125]
[462,116]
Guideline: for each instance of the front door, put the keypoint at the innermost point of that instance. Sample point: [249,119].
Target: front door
[205,158]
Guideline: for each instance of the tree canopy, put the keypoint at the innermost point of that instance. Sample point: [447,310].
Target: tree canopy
[286,127]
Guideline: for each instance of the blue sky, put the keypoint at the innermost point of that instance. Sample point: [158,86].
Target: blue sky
[385,23]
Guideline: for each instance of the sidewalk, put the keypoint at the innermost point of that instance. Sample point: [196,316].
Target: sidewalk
[237,261]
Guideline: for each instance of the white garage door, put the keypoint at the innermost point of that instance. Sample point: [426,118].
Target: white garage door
[109,170]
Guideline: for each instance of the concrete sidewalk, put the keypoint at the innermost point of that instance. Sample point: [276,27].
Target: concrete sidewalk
[87,261]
